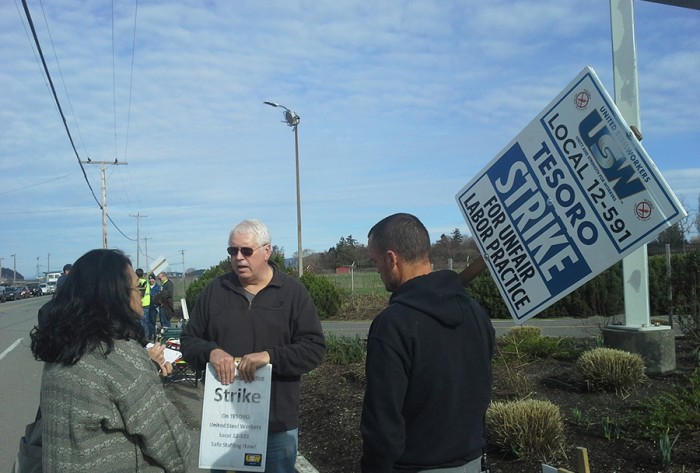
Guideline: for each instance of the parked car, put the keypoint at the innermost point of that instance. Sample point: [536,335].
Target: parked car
[34,289]
[12,294]
[51,287]
[2,294]
[25,292]
[44,288]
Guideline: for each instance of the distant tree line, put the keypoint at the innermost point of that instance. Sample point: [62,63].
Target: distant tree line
[454,247]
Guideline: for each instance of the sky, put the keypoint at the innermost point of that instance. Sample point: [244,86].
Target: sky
[401,104]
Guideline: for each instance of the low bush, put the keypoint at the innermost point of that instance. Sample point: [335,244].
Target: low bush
[363,306]
[526,343]
[529,428]
[327,297]
[345,350]
[608,369]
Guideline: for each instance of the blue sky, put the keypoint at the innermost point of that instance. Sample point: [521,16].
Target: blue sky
[401,104]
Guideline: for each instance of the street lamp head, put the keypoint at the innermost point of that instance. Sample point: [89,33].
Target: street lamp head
[292,118]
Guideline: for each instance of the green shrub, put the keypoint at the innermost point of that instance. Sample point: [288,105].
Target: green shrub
[327,297]
[341,350]
[677,411]
[523,333]
[526,343]
[608,369]
[196,287]
[530,429]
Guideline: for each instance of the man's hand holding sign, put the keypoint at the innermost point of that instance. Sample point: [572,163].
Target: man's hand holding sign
[225,365]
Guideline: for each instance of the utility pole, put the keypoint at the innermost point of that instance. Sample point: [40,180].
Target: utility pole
[1,258]
[37,267]
[184,289]
[104,195]
[14,270]
[48,264]
[138,217]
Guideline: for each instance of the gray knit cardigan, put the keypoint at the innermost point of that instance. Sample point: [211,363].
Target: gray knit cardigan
[110,414]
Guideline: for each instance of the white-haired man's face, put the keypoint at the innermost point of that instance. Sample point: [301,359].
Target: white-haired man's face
[252,268]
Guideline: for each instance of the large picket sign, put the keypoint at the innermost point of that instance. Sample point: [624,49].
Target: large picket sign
[571,195]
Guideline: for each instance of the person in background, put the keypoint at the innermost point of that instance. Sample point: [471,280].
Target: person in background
[167,293]
[62,278]
[145,301]
[428,363]
[262,315]
[153,311]
[102,403]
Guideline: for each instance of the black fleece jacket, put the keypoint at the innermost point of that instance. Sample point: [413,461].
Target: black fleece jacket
[428,378]
[281,320]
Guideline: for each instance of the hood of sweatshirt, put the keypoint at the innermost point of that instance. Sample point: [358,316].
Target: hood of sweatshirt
[439,295]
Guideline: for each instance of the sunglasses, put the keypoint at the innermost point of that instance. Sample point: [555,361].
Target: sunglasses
[245,251]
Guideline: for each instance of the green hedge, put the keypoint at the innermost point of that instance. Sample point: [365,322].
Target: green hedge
[603,295]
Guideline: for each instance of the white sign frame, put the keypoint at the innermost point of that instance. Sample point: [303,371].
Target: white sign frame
[235,421]
[571,195]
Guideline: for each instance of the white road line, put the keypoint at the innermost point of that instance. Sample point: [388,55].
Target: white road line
[12,347]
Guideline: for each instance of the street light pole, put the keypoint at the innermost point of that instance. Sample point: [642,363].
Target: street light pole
[292,119]
[14,270]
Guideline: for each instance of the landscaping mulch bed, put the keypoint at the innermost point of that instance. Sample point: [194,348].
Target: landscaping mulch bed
[332,400]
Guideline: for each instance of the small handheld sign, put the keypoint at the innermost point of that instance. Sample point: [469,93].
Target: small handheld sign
[235,422]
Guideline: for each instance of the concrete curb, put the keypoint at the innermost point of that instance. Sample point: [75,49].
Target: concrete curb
[303,466]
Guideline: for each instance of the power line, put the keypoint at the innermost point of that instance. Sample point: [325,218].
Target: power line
[33,185]
[131,80]
[65,124]
[60,72]
[114,85]
[55,96]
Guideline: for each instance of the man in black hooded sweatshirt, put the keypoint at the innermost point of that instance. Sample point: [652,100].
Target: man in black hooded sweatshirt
[428,361]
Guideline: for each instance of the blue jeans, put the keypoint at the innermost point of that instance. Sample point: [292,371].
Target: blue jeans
[281,452]
[144,324]
[151,322]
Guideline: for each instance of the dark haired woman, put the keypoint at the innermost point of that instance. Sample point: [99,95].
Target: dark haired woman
[102,403]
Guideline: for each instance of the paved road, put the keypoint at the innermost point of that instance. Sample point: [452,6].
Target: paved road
[550,328]
[20,374]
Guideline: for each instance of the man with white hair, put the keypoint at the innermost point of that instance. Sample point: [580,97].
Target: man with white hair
[261,315]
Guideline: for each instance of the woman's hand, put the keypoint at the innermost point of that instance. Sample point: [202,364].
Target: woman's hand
[157,354]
